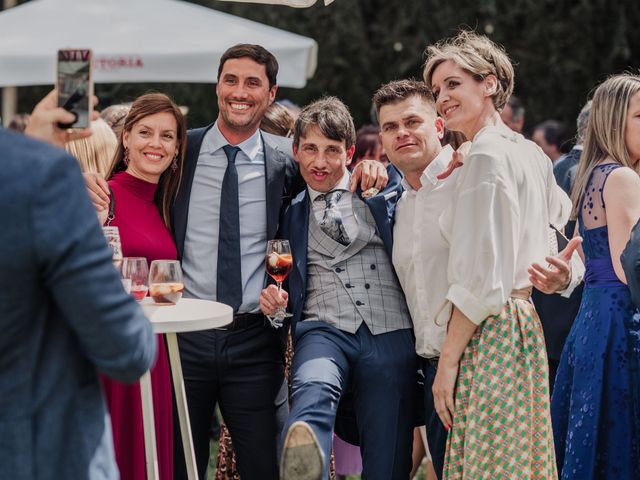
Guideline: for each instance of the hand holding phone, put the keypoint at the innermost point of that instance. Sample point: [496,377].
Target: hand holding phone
[75,85]
[46,118]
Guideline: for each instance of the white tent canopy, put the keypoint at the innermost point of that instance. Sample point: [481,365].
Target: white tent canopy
[289,3]
[139,41]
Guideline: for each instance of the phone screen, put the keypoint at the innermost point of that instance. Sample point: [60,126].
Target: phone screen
[75,85]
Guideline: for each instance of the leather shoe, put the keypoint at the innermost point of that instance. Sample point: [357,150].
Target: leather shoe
[302,458]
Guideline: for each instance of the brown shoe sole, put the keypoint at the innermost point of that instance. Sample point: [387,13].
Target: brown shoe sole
[302,458]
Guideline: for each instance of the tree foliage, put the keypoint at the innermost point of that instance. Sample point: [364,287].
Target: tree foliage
[561,49]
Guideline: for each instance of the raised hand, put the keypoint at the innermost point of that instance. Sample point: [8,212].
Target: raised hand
[457,160]
[557,275]
[43,123]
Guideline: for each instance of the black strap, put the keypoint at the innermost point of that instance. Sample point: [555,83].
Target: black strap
[111,214]
[560,238]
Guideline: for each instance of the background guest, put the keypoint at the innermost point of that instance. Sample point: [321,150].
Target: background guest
[552,137]
[19,122]
[368,146]
[95,153]
[513,114]
[566,167]
[114,115]
[558,311]
[278,121]
[631,262]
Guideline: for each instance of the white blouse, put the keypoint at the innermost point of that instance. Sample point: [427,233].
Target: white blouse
[497,224]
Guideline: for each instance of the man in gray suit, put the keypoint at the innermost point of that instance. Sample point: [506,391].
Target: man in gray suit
[350,323]
[64,313]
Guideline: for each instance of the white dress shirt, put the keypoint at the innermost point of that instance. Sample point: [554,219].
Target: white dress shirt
[420,252]
[498,219]
[344,205]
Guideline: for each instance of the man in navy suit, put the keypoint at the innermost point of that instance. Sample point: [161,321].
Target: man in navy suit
[557,312]
[350,322]
[64,313]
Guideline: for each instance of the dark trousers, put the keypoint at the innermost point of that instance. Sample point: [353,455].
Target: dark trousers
[381,370]
[241,369]
[436,433]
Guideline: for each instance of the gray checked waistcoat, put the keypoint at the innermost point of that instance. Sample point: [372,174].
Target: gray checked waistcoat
[348,285]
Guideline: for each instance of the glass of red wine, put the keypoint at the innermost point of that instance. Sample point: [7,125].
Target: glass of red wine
[278,261]
[136,271]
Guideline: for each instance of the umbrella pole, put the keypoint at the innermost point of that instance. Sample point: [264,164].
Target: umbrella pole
[9,104]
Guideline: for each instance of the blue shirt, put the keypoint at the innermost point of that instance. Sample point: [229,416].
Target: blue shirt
[200,256]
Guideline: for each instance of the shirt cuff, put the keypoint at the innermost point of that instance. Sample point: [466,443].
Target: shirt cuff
[468,304]
[577,275]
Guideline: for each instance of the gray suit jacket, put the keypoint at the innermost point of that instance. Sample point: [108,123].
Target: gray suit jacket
[63,313]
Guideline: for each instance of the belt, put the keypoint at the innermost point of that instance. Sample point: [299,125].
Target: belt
[522,293]
[244,320]
[433,361]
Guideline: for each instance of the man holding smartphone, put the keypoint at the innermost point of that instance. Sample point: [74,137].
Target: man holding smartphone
[64,312]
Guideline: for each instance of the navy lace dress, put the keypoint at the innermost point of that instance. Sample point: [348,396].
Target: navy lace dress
[594,408]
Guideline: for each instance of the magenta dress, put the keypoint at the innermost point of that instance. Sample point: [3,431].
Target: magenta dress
[143,234]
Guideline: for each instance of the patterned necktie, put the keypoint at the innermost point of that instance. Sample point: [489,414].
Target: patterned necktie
[331,222]
[229,275]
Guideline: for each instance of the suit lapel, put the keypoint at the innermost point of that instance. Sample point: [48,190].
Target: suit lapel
[299,239]
[274,161]
[378,208]
[180,209]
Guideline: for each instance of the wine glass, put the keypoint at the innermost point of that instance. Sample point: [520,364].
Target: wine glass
[112,235]
[279,262]
[136,271]
[165,282]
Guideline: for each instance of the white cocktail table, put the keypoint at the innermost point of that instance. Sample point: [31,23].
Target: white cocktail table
[188,315]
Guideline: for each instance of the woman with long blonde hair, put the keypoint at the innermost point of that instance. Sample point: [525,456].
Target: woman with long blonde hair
[595,405]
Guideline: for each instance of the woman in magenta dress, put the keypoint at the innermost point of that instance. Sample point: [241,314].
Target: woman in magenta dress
[144,178]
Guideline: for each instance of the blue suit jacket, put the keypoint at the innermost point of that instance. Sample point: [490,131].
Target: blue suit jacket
[63,313]
[296,227]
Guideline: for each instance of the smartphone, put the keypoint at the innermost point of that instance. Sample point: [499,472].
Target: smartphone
[75,85]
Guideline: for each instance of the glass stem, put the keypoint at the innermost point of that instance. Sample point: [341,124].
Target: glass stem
[280,312]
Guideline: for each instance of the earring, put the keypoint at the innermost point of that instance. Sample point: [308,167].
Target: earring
[174,164]
[126,156]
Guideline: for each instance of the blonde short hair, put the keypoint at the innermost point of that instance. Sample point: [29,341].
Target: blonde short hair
[95,153]
[477,55]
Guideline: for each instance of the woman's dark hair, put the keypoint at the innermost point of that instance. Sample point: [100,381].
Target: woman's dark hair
[145,105]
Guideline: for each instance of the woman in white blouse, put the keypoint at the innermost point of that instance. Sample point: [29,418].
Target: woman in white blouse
[491,388]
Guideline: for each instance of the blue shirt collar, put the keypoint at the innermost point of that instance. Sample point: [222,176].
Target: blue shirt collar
[214,140]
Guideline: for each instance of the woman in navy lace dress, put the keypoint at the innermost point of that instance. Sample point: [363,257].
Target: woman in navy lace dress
[595,405]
